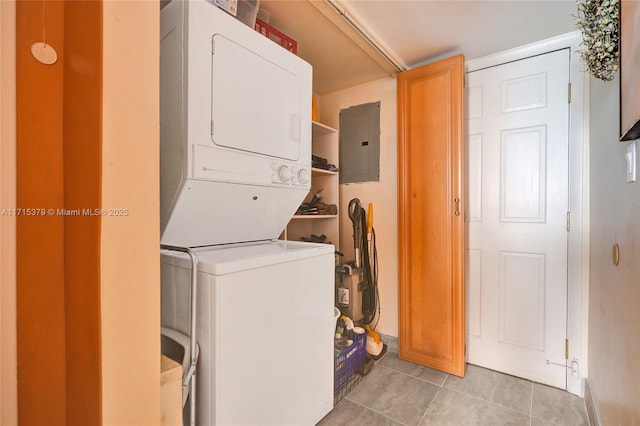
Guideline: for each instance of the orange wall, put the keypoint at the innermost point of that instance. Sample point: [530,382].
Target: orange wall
[82,152]
[58,155]
[88,287]
[40,239]
[130,263]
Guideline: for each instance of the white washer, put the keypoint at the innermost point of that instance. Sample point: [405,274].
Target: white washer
[265,329]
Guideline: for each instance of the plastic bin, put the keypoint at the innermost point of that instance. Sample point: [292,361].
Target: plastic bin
[276,36]
[350,360]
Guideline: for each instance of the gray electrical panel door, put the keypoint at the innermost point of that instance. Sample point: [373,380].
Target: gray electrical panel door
[360,143]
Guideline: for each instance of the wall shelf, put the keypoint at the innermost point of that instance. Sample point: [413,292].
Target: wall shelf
[317,172]
[324,144]
[313,216]
[319,129]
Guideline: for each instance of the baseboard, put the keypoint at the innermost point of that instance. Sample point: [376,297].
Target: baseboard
[592,408]
[390,341]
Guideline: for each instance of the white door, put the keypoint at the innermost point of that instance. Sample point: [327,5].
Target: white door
[518,128]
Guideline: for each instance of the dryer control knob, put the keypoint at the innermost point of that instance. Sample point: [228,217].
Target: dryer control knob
[284,173]
[303,176]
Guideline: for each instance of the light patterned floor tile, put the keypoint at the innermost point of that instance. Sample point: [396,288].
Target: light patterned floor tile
[454,408]
[502,389]
[557,406]
[394,395]
[392,361]
[348,413]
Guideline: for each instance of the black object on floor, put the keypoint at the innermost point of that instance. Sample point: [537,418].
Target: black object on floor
[380,355]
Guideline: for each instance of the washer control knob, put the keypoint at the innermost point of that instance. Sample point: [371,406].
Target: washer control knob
[303,176]
[284,173]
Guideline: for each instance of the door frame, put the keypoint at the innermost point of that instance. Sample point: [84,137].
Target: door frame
[578,237]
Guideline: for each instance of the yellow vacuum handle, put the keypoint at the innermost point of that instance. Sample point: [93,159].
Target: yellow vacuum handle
[370,219]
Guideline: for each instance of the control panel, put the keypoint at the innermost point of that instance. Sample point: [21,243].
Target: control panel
[289,174]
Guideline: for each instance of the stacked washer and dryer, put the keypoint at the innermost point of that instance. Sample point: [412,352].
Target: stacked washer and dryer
[235,165]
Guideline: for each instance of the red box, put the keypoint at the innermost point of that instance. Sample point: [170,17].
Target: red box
[278,37]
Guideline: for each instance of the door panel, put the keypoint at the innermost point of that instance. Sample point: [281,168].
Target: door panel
[518,190]
[523,175]
[522,299]
[431,234]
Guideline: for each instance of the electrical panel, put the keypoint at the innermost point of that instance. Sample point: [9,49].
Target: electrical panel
[360,143]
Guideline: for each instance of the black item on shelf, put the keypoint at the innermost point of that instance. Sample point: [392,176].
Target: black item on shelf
[322,163]
[317,161]
[317,207]
[316,239]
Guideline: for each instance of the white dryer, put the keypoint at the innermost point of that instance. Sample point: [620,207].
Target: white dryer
[235,129]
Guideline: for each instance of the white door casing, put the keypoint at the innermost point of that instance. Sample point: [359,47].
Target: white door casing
[518,142]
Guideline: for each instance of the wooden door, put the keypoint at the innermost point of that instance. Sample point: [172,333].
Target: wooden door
[431,203]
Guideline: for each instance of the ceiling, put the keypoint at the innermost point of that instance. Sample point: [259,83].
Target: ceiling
[413,32]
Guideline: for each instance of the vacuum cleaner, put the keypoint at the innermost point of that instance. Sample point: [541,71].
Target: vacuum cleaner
[357,281]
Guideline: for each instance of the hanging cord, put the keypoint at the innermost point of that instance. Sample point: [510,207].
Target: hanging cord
[44,21]
[375,277]
[370,295]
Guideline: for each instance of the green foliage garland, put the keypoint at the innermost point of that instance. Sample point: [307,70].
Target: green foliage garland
[599,22]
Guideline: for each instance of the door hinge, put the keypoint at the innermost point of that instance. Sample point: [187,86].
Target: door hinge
[566,348]
[569,93]
[464,81]
[568,221]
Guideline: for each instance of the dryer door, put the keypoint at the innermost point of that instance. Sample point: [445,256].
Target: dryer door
[255,103]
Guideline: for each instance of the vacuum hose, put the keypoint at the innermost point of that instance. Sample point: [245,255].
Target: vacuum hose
[355,214]
[366,257]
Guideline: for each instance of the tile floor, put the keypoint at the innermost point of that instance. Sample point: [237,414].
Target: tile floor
[398,392]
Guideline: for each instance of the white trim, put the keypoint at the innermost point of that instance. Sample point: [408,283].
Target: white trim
[570,40]
[586,220]
[590,403]
[578,243]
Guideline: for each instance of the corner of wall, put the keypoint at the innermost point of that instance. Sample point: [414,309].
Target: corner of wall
[8,351]
[130,243]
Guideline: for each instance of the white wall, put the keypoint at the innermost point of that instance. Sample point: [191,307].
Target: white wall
[614,293]
[383,194]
